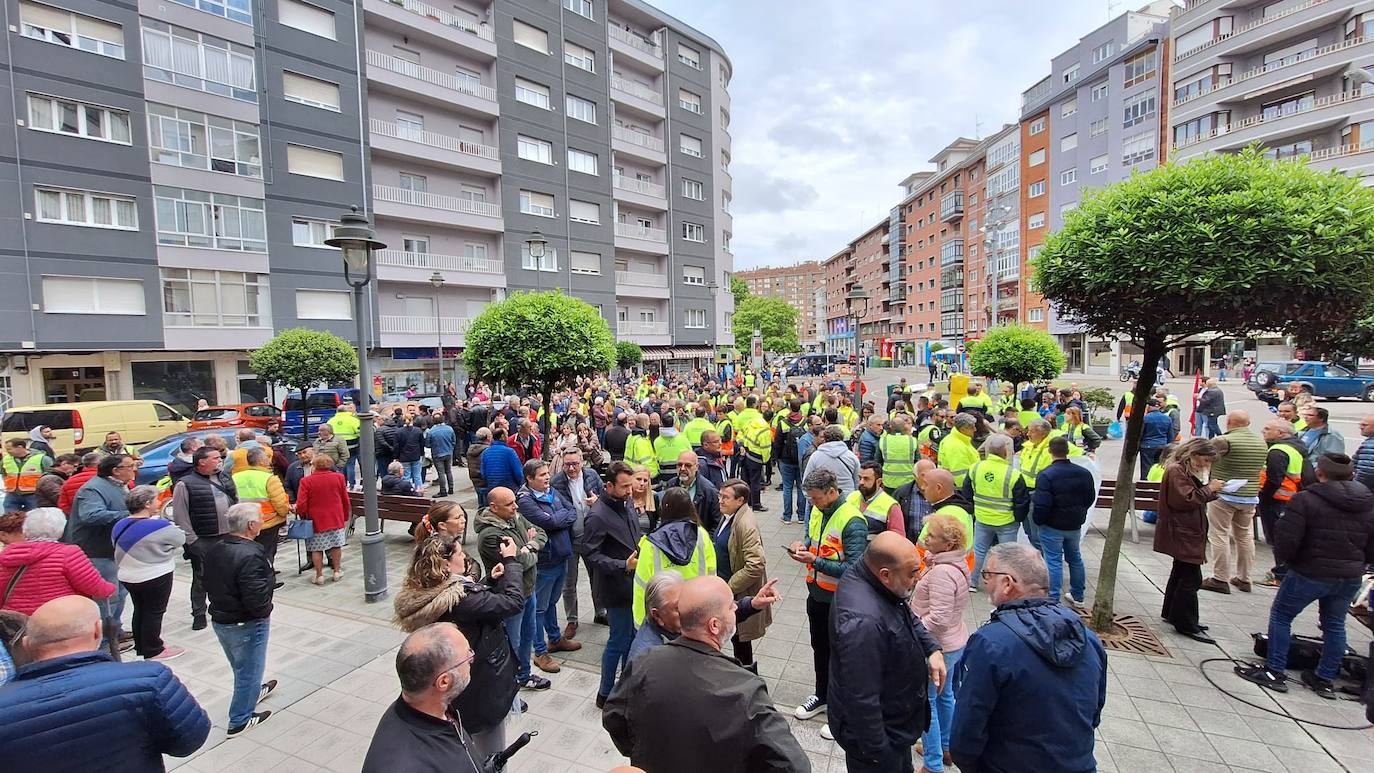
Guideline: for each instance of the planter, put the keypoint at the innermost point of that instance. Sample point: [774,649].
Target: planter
[1100,427]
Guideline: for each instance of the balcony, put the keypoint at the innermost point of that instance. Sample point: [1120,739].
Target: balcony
[640,192]
[402,266]
[640,145]
[1313,116]
[637,96]
[641,284]
[1258,80]
[1291,26]
[952,252]
[393,139]
[431,85]
[644,333]
[422,331]
[952,207]
[630,236]
[424,207]
[636,47]
[1356,159]
[441,27]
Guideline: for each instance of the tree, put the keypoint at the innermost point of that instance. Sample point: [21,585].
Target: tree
[1345,343]
[538,340]
[1224,245]
[628,354]
[300,358]
[1016,353]
[773,316]
[740,289]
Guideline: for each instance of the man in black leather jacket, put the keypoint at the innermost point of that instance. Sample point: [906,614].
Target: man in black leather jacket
[238,582]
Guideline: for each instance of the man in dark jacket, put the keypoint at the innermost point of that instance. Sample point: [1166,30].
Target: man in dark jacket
[705,496]
[877,697]
[1034,659]
[684,707]
[578,488]
[610,541]
[481,442]
[1286,472]
[1060,510]
[1156,433]
[200,501]
[1364,455]
[1211,403]
[1326,539]
[710,463]
[616,436]
[496,523]
[130,714]
[408,445]
[238,582]
[541,506]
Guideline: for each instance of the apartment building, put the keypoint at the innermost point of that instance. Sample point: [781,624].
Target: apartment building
[1289,75]
[838,270]
[797,285]
[872,266]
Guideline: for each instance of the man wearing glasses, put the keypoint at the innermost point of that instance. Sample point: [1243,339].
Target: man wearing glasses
[98,505]
[421,730]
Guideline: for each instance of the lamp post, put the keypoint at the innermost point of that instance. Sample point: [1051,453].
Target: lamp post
[357,241]
[714,290]
[994,271]
[855,296]
[537,246]
[436,280]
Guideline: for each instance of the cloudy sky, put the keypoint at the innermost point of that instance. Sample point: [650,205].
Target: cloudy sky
[833,103]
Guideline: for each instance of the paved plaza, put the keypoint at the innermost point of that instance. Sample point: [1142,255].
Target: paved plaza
[333,655]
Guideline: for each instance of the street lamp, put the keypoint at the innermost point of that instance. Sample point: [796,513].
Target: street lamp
[994,271]
[537,245]
[436,280]
[357,241]
[857,294]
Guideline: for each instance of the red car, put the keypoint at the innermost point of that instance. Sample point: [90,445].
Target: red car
[255,415]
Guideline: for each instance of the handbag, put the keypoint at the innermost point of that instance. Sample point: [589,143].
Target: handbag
[300,528]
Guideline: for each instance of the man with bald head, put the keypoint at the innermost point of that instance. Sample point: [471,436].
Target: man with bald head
[705,496]
[686,707]
[496,523]
[1232,514]
[129,714]
[911,498]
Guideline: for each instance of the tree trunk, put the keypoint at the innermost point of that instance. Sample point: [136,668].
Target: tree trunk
[546,419]
[1105,600]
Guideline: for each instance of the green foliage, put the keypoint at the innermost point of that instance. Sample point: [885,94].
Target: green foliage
[740,289]
[538,340]
[773,317]
[1016,353]
[937,347]
[1097,398]
[628,354]
[300,358]
[1354,340]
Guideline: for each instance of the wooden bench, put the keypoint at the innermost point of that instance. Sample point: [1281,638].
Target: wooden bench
[1146,498]
[391,507]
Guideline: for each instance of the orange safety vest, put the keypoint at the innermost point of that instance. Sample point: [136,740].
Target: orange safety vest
[23,478]
[1292,474]
[828,544]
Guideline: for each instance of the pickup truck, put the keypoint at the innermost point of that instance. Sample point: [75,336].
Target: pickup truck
[1325,380]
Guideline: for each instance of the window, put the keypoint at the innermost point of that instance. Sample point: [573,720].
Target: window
[1198,128]
[532,93]
[725,200]
[1097,164]
[1037,126]
[1202,35]
[1036,221]
[729,322]
[689,56]
[204,298]
[1102,52]
[306,18]
[1068,141]
[234,10]
[64,28]
[725,240]
[1035,189]
[1068,108]
[1067,208]
[415,183]
[582,161]
[531,149]
[307,232]
[190,218]
[530,37]
[93,295]
[85,208]
[694,319]
[1141,67]
[690,146]
[1097,127]
[1068,177]
[1289,105]
[1289,150]
[693,275]
[310,91]
[1201,84]
[579,57]
[533,203]
[1139,148]
[323,304]
[694,232]
[689,101]
[581,109]
[192,60]
[693,189]
[1035,315]
[580,7]
[547,263]
[314,162]
[584,262]
[1139,109]
[1099,91]
[51,114]
[195,140]
[584,212]
[1070,75]
[1037,157]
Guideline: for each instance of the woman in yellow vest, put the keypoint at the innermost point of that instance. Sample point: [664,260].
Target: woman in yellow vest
[679,543]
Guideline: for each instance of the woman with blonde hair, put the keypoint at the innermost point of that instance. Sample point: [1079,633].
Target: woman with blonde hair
[1079,432]
[1181,532]
[940,600]
[644,499]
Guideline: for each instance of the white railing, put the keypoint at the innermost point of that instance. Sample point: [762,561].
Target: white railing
[632,231]
[640,279]
[1255,72]
[434,201]
[636,185]
[482,31]
[637,138]
[433,260]
[635,89]
[641,328]
[434,140]
[1260,22]
[425,325]
[1260,118]
[636,42]
[1341,150]
[1037,92]
[429,75]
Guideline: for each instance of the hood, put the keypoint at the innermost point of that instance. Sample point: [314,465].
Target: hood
[36,435]
[177,466]
[1294,442]
[667,432]
[1053,632]
[1344,495]
[794,418]
[418,607]
[835,448]
[28,553]
[677,539]
[957,558]
[486,519]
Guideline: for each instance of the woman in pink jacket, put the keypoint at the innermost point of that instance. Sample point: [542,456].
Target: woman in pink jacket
[940,600]
[51,569]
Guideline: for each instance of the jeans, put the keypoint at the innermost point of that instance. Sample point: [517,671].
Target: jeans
[150,604]
[1148,458]
[520,631]
[1032,528]
[245,645]
[481,496]
[984,537]
[622,623]
[1297,592]
[818,622]
[1207,426]
[547,589]
[941,715]
[895,760]
[1059,547]
[15,502]
[443,474]
[111,608]
[415,472]
[791,481]
[351,466]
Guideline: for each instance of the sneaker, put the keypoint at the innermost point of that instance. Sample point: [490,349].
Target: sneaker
[760,509]
[601,701]
[825,732]
[168,653]
[786,519]
[524,707]
[546,663]
[810,708]
[1216,586]
[267,689]
[126,646]
[1318,685]
[198,623]
[1075,604]
[535,683]
[1260,674]
[256,719]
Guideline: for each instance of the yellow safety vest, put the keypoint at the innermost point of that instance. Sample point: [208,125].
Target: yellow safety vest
[23,478]
[993,481]
[694,429]
[957,455]
[828,543]
[875,511]
[345,425]
[666,451]
[652,561]
[957,512]
[638,450]
[1036,456]
[252,487]
[1007,402]
[979,400]
[757,437]
[899,459]
[1292,473]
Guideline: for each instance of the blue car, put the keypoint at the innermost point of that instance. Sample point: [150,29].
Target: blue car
[1324,380]
[159,453]
[319,407]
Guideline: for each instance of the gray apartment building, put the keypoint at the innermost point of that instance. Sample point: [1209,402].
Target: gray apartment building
[178,166]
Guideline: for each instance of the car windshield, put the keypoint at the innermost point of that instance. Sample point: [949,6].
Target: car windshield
[210,414]
[1338,370]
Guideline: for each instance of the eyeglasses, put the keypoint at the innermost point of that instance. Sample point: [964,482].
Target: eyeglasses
[472,655]
[985,574]
[127,467]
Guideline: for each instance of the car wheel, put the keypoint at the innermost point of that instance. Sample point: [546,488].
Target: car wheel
[1265,379]
[1368,395]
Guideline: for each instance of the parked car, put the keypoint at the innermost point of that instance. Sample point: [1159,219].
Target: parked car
[80,427]
[255,415]
[1325,380]
[320,405]
[157,454]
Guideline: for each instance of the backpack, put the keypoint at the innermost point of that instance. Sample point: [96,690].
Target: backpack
[788,453]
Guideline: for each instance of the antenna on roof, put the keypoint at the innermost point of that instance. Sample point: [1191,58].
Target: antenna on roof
[977,127]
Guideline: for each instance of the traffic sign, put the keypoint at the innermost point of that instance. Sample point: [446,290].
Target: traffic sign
[959,348]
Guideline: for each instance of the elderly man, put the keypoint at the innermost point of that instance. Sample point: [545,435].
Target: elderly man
[686,707]
[499,521]
[23,469]
[578,487]
[1035,457]
[1000,497]
[98,506]
[1232,514]
[200,501]
[897,452]
[710,459]
[1286,472]
[1211,404]
[238,583]
[1318,436]
[662,621]
[957,453]
[1364,456]
[911,499]
[1035,659]
[256,483]
[541,506]
[331,446]
[705,497]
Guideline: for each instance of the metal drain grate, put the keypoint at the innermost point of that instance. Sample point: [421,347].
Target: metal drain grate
[1130,634]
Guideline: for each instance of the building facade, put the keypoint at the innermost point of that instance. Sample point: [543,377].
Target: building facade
[797,285]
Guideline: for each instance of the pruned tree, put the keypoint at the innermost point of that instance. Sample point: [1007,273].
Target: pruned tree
[1223,246]
[740,289]
[1016,353]
[773,317]
[300,358]
[628,354]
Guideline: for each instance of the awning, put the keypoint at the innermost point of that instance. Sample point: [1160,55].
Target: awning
[692,352]
[655,353]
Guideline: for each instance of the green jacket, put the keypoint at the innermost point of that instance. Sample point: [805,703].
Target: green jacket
[491,528]
[855,538]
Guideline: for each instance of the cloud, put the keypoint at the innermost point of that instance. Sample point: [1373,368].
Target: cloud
[759,191]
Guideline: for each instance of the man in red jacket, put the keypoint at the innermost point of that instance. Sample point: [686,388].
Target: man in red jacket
[526,442]
[78,479]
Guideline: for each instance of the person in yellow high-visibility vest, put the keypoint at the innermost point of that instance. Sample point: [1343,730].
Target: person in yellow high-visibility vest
[257,484]
[668,446]
[348,428]
[1035,456]
[22,471]
[679,543]
[698,424]
[639,449]
[975,398]
[757,438]
[1001,500]
[957,453]
[897,452]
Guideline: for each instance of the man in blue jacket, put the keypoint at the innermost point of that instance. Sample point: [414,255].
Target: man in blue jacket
[1033,653]
[541,506]
[1063,495]
[441,441]
[72,708]
[1154,435]
[500,464]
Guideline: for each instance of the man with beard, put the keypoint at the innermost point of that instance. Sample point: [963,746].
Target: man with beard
[879,508]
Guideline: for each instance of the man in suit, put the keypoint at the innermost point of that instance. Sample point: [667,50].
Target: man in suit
[610,542]
[578,487]
[705,496]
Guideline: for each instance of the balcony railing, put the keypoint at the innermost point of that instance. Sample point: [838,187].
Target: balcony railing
[636,42]
[951,252]
[433,260]
[636,185]
[1260,22]
[1255,72]
[641,328]
[952,206]
[1341,150]
[640,279]
[635,89]
[434,140]
[637,138]
[632,231]
[425,325]
[429,75]
[1260,118]
[482,31]
[434,201]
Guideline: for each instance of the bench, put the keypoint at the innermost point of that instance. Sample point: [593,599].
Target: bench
[1146,498]
[390,507]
